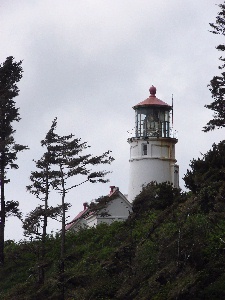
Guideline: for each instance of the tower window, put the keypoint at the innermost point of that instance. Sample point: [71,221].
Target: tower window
[144,149]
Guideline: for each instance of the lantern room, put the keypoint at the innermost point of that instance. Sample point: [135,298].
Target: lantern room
[152,117]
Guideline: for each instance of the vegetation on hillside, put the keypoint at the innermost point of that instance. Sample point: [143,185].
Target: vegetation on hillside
[65,158]
[171,247]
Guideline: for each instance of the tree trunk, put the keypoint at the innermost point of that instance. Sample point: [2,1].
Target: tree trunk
[63,236]
[44,233]
[2,215]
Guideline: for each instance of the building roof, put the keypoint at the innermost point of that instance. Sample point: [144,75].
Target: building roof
[103,201]
[152,100]
[78,217]
[114,191]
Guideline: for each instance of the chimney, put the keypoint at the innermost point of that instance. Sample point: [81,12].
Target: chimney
[113,188]
[85,204]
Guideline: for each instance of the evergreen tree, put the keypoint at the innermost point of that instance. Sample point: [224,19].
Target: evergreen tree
[69,160]
[63,159]
[217,84]
[10,74]
[207,178]
[40,187]
[36,221]
[207,170]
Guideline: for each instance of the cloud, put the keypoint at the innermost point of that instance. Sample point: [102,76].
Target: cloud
[89,62]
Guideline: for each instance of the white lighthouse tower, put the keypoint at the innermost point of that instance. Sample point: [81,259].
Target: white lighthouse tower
[152,148]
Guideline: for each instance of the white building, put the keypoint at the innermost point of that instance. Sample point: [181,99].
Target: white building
[152,148]
[152,158]
[114,207]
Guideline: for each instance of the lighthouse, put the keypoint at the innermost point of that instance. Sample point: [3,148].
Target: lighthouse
[152,148]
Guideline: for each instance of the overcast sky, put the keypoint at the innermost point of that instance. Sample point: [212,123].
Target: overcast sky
[88,62]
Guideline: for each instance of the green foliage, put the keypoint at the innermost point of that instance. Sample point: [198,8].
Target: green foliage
[33,221]
[10,74]
[217,84]
[208,170]
[207,178]
[168,259]
[64,159]
[171,247]
[155,196]
[12,209]
[67,158]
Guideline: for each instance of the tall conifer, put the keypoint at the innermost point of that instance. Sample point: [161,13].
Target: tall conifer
[10,74]
[217,84]
[69,158]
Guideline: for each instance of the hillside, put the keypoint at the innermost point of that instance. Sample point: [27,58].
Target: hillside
[171,247]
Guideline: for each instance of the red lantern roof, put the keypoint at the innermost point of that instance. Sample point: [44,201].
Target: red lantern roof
[152,100]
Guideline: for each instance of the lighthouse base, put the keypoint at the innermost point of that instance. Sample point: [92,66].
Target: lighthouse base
[151,160]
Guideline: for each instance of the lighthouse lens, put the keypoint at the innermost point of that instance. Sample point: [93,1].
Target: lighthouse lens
[152,122]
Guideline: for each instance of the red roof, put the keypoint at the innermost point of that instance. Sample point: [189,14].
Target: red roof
[152,100]
[78,217]
[113,191]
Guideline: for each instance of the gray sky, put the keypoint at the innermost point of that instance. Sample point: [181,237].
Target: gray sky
[89,61]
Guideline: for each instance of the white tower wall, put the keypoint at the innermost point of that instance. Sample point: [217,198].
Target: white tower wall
[151,160]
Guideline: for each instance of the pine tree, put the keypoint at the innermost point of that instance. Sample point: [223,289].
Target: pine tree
[217,84]
[69,160]
[40,187]
[63,160]
[36,221]
[10,74]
